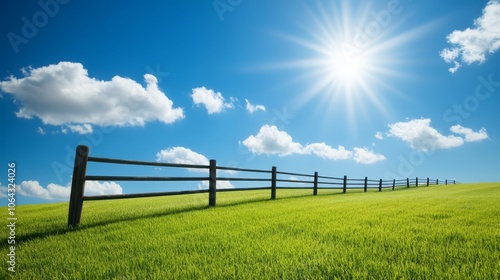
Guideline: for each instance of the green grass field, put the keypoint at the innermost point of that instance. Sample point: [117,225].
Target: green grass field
[437,232]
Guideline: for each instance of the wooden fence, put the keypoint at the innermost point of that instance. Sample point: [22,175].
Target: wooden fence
[312,182]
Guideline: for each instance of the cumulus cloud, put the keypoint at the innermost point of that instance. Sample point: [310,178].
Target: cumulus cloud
[366,156]
[212,101]
[472,44]
[183,155]
[325,151]
[271,141]
[254,108]
[379,135]
[470,135]
[64,94]
[57,192]
[104,188]
[421,136]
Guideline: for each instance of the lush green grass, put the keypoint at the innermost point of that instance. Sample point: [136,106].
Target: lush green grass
[438,232]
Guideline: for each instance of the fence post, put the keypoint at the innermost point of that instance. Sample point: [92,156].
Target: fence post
[427,181]
[437,181]
[315,191]
[78,186]
[366,183]
[407,182]
[212,183]
[380,185]
[453,182]
[344,189]
[446,182]
[416,182]
[273,183]
[393,184]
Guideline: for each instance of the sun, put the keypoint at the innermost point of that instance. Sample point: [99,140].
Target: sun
[348,70]
[350,56]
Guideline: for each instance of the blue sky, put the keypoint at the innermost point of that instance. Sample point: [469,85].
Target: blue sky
[384,89]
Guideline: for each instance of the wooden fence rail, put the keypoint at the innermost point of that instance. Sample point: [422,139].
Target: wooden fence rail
[312,182]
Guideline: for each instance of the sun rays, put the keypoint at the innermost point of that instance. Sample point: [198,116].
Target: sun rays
[350,54]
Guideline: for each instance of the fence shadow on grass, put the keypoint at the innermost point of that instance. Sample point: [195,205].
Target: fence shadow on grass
[223,203]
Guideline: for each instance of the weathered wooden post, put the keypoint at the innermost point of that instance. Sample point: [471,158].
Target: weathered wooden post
[446,182]
[273,183]
[366,184]
[437,181]
[212,183]
[407,182]
[453,182]
[344,188]
[427,181]
[315,191]
[416,182]
[380,185]
[78,186]
[393,184]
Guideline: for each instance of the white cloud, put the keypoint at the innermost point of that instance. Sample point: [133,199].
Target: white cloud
[253,108]
[41,131]
[64,94]
[33,188]
[81,129]
[271,141]
[3,191]
[379,135]
[365,156]
[421,136]
[181,155]
[104,188]
[472,44]
[470,135]
[213,102]
[325,151]
[220,185]
[57,192]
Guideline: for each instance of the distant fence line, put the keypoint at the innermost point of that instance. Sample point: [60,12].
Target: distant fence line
[314,181]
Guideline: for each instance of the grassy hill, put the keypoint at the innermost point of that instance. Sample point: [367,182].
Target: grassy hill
[442,232]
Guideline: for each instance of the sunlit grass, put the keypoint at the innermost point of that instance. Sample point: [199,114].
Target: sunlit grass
[443,232]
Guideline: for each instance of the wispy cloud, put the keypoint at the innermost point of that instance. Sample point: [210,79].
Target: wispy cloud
[421,136]
[254,108]
[212,101]
[472,44]
[272,141]
[64,94]
[41,131]
[81,129]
